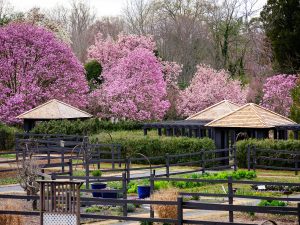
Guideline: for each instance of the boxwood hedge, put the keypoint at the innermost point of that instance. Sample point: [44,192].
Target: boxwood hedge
[290,145]
[83,127]
[153,145]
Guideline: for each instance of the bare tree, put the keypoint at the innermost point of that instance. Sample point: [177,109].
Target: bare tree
[81,18]
[139,16]
[6,10]
[28,171]
[108,26]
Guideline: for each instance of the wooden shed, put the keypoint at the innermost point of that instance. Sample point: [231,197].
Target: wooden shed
[51,110]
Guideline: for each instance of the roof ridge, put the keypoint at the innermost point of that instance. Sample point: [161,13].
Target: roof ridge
[214,105]
[272,112]
[56,101]
[256,113]
[222,117]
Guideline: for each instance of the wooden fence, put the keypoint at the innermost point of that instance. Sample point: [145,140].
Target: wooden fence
[258,158]
[181,205]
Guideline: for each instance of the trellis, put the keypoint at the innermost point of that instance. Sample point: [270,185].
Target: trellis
[60,202]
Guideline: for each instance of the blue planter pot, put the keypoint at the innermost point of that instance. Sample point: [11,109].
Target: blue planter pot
[110,195]
[97,186]
[144,191]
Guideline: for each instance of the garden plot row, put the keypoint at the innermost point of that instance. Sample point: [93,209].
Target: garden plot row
[180,203]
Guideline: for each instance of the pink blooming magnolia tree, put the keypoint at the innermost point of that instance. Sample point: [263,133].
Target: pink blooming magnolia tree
[277,93]
[35,67]
[208,87]
[133,89]
[134,86]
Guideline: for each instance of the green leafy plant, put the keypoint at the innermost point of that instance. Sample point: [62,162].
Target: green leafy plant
[272,203]
[131,208]
[83,127]
[97,173]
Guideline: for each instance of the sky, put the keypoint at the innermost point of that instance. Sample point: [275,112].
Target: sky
[101,7]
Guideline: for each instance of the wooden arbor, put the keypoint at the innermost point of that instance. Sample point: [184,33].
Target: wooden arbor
[60,202]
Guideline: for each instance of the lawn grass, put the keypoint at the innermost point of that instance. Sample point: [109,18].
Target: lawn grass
[8,156]
[8,180]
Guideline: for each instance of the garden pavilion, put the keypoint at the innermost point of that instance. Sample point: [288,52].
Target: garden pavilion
[51,110]
[253,121]
[193,126]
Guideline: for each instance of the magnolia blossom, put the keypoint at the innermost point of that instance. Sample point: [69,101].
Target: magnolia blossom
[35,67]
[107,52]
[208,87]
[133,89]
[134,86]
[277,93]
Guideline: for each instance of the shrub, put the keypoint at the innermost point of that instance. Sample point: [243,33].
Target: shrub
[7,137]
[130,208]
[83,127]
[166,211]
[237,175]
[158,146]
[290,145]
[97,173]
[272,203]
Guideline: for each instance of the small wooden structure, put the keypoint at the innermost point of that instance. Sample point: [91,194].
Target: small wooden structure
[215,111]
[60,202]
[51,110]
[193,126]
[251,119]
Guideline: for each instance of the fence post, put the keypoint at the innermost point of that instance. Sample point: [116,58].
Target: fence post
[167,165]
[124,187]
[71,168]
[113,157]
[152,176]
[17,147]
[248,157]
[254,158]
[298,209]
[296,158]
[127,168]
[87,173]
[234,159]
[230,198]
[43,172]
[179,211]
[63,160]
[203,161]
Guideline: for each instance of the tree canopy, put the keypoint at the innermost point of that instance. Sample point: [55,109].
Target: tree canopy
[281,20]
[34,67]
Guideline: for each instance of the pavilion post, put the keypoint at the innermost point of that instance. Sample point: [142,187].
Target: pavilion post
[296,136]
[190,132]
[182,131]
[159,131]
[145,131]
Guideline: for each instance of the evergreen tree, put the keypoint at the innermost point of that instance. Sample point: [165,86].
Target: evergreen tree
[281,20]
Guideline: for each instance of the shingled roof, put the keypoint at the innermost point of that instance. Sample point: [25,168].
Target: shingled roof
[54,109]
[215,111]
[251,116]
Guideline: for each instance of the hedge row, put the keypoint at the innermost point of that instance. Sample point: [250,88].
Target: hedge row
[83,127]
[7,137]
[158,146]
[290,145]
